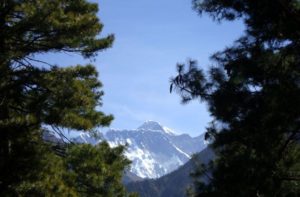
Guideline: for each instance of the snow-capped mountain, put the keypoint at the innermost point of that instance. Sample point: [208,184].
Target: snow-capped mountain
[154,150]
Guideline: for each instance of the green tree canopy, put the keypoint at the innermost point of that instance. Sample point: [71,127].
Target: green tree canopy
[36,96]
[97,170]
[253,92]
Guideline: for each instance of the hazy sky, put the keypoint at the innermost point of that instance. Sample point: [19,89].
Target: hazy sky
[151,37]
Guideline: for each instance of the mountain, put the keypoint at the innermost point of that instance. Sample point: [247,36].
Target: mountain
[154,150]
[129,177]
[174,184]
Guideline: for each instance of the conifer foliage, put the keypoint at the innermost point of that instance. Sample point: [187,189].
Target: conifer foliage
[253,93]
[36,96]
[97,171]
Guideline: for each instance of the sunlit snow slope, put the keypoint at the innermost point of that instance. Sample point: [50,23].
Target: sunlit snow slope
[153,149]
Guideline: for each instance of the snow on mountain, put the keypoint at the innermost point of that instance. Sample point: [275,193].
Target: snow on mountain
[84,137]
[151,125]
[154,150]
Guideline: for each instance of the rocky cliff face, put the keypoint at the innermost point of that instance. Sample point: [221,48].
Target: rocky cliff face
[154,150]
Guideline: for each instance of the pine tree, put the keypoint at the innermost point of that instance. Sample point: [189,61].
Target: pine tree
[253,92]
[36,97]
[96,170]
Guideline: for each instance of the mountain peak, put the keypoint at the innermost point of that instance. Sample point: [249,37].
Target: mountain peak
[153,149]
[151,125]
[155,126]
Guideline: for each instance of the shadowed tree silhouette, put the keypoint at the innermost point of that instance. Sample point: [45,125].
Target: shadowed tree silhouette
[253,92]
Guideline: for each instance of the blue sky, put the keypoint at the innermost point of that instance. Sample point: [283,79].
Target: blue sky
[151,37]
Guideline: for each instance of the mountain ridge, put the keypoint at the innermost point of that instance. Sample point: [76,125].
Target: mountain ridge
[174,184]
[154,149]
